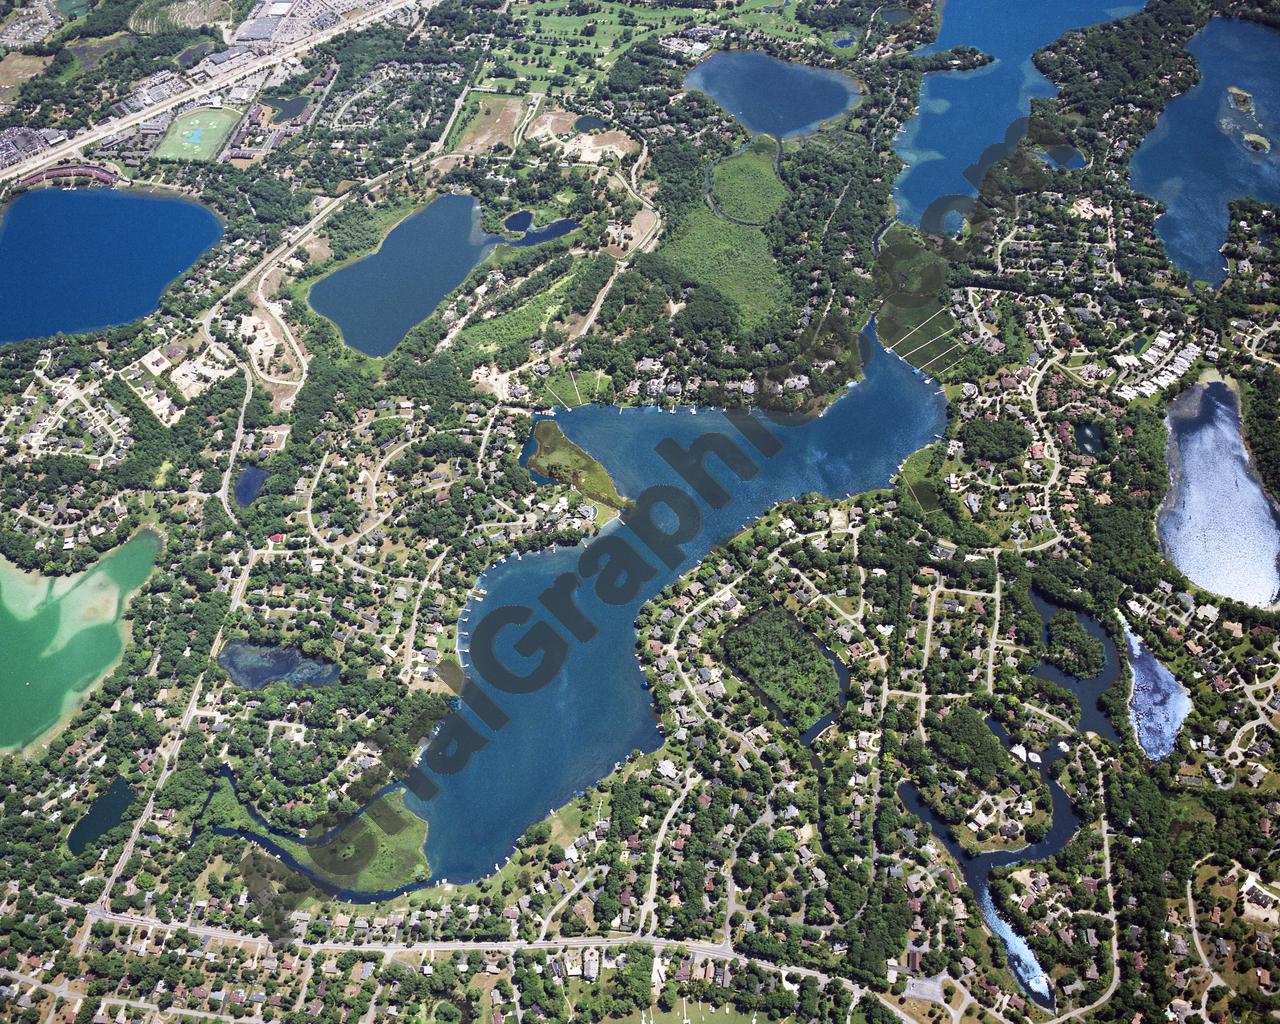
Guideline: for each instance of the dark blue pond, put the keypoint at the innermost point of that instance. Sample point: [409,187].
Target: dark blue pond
[568,735]
[962,113]
[587,123]
[1196,160]
[102,816]
[80,259]
[376,300]
[254,666]
[1089,438]
[773,96]
[1062,158]
[248,484]
[519,221]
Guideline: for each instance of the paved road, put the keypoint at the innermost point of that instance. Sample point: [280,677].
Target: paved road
[73,146]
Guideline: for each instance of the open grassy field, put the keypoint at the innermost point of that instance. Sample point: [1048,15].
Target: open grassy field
[487,120]
[918,482]
[730,257]
[746,187]
[560,459]
[198,135]
[399,858]
[16,68]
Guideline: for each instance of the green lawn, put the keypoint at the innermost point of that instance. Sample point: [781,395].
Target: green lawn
[747,187]
[397,860]
[198,135]
[731,258]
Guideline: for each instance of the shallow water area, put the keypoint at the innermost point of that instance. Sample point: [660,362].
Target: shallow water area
[80,259]
[1218,524]
[60,635]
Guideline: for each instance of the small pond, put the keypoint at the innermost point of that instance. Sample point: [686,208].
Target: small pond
[248,484]
[1159,703]
[102,816]
[1089,437]
[254,666]
[587,123]
[1062,158]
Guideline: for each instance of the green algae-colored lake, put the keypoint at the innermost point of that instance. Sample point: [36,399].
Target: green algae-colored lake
[62,634]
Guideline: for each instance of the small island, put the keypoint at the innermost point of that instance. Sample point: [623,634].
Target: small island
[1257,143]
[1241,100]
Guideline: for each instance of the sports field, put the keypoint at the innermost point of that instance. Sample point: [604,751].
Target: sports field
[198,135]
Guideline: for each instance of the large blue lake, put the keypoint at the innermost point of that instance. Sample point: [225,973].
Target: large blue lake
[1196,160]
[1218,524]
[79,259]
[773,96]
[567,736]
[376,300]
[964,112]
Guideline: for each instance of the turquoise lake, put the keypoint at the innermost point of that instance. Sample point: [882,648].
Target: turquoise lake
[79,259]
[1195,160]
[772,96]
[378,299]
[962,113]
[568,735]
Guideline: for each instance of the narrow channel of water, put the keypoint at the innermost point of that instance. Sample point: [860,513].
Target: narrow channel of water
[977,868]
